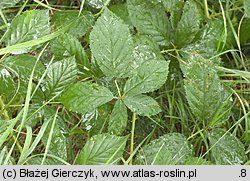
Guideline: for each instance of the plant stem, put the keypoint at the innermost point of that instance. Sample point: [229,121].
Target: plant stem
[132,137]
[3,18]
[22,7]
[118,89]
[81,8]
[17,143]
[206,9]
[2,108]
[103,8]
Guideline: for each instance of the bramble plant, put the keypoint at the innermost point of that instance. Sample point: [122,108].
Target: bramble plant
[144,82]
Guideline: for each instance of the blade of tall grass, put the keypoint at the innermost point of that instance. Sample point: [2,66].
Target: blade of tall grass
[35,143]
[31,43]
[26,104]
[48,155]
[236,37]
[137,148]
[235,124]
[27,142]
[46,6]
[50,137]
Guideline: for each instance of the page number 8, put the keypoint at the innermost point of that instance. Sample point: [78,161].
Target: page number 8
[243,173]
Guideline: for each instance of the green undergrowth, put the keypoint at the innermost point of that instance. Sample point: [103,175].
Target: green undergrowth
[128,82]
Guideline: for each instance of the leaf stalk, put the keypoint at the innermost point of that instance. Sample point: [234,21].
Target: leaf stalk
[132,137]
[206,9]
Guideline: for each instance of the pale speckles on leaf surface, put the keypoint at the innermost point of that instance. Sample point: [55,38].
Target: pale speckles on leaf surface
[150,76]
[247,7]
[30,25]
[86,118]
[61,74]
[102,149]
[80,25]
[7,85]
[23,65]
[170,149]
[118,118]
[142,105]
[149,18]
[112,45]
[8,3]
[96,4]
[58,144]
[204,91]
[145,49]
[208,39]
[188,25]
[226,148]
[67,45]
[85,97]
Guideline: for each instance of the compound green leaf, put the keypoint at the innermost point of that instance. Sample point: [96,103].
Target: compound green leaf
[28,26]
[174,8]
[149,18]
[7,3]
[34,119]
[68,46]
[209,39]
[8,17]
[244,31]
[102,149]
[150,76]
[204,92]
[58,143]
[169,149]
[226,148]
[23,66]
[196,161]
[142,105]
[118,118]
[60,75]
[247,7]
[112,45]
[7,85]
[96,4]
[80,24]
[188,27]
[3,155]
[121,11]
[85,97]
[145,49]
[95,120]
[4,125]
[48,161]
